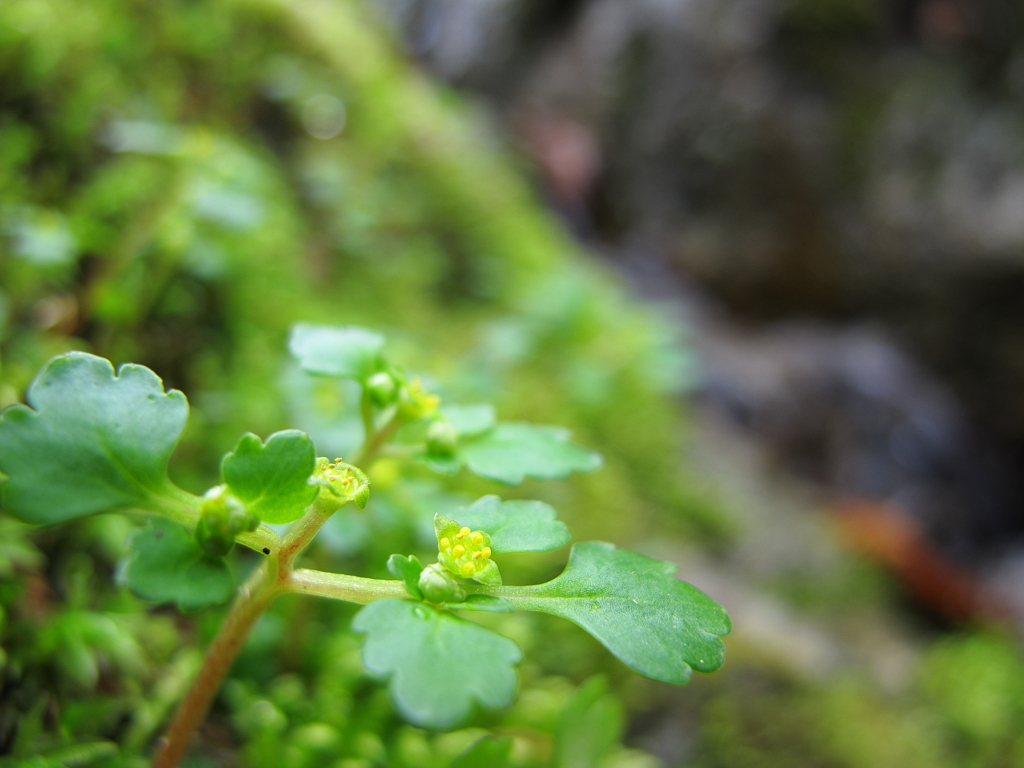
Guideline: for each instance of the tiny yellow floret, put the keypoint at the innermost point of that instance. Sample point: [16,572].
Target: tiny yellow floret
[477,555]
[463,532]
[444,543]
[459,550]
[485,552]
[468,569]
[477,538]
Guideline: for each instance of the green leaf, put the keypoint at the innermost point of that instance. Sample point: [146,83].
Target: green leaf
[440,666]
[92,441]
[407,569]
[349,352]
[511,452]
[515,526]
[488,751]
[443,465]
[589,727]
[167,565]
[469,419]
[272,478]
[658,625]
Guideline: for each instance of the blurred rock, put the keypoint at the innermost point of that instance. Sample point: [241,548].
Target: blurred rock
[846,408]
[845,160]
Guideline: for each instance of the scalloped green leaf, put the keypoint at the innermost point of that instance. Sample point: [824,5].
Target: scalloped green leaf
[658,625]
[91,441]
[512,451]
[589,726]
[440,666]
[272,478]
[349,352]
[515,526]
[469,419]
[442,465]
[167,565]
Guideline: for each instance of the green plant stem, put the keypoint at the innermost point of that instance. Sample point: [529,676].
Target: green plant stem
[520,597]
[340,586]
[301,533]
[260,540]
[366,412]
[177,505]
[376,441]
[254,597]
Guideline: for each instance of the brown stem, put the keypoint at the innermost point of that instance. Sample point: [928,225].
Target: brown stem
[271,578]
[276,575]
[253,599]
[302,532]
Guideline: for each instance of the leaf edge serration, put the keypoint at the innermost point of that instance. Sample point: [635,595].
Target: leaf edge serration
[29,504]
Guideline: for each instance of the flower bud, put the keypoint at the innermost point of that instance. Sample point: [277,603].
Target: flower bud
[442,439]
[222,517]
[339,484]
[438,586]
[381,389]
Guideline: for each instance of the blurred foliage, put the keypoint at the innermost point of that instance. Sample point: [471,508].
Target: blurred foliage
[179,183]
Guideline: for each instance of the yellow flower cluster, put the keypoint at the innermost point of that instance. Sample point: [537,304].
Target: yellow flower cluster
[466,553]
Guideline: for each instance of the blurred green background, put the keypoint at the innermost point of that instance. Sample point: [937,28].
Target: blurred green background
[180,182]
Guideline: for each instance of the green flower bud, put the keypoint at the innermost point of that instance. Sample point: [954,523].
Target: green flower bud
[438,586]
[222,517]
[212,540]
[381,389]
[339,484]
[442,439]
